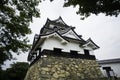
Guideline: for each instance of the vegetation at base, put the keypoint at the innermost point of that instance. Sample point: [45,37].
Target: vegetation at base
[16,72]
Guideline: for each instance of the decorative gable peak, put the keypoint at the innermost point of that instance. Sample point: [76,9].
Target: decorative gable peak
[60,20]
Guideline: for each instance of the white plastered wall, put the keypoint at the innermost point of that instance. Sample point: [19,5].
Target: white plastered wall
[51,43]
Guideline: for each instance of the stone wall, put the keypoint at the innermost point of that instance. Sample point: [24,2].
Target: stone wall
[61,68]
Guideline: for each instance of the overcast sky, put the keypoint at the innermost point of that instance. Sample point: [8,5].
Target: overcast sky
[104,31]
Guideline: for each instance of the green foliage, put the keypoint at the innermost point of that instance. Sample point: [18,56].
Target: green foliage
[16,72]
[15,17]
[88,7]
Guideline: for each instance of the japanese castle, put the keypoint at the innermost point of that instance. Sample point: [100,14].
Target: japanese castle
[59,53]
[56,38]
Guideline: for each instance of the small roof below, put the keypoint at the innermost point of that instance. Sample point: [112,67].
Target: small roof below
[107,61]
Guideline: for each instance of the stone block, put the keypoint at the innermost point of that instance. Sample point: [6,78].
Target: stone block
[59,68]
[45,69]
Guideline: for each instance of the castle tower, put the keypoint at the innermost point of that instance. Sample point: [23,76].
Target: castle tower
[59,53]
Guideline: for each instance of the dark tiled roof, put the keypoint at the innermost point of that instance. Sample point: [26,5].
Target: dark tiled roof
[107,61]
[61,26]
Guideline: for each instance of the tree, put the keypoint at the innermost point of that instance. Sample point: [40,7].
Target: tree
[15,17]
[88,7]
[16,72]
[3,75]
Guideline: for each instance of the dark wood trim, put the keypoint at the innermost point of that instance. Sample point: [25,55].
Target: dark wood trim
[72,54]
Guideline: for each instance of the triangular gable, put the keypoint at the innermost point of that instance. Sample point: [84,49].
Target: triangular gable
[91,44]
[71,34]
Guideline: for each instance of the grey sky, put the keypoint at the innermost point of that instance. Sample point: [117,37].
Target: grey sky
[104,31]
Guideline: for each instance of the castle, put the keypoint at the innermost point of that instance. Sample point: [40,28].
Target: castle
[59,53]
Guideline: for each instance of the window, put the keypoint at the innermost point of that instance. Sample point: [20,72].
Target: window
[57,51]
[73,53]
[86,52]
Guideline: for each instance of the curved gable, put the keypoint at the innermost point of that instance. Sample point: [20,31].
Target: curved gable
[71,34]
[90,43]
